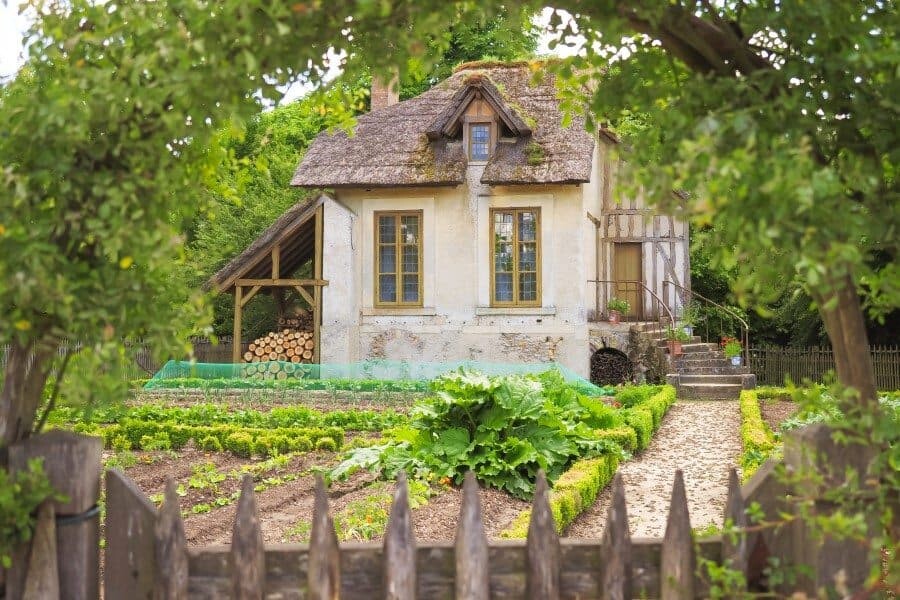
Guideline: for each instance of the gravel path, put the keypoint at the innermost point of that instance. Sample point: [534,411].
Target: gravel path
[702,438]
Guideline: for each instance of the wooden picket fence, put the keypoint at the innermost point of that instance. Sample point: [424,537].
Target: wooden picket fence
[773,363]
[147,555]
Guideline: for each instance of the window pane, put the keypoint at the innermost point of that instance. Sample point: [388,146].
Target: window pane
[503,257]
[410,288]
[409,230]
[527,287]
[527,226]
[528,256]
[479,141]
[503,287]
[410,259]
[386,229]
[387,288]
[503,227]
[387,259]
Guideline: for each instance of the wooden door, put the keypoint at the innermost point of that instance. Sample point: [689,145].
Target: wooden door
[627,274]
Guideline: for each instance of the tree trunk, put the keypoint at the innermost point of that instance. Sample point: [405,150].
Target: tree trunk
[846,327]
[25,375]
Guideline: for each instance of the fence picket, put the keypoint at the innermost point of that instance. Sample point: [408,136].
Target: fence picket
[617,546]
[472,569]
[677,562]
[248,556]
[400,547]
[42,582]
[171,549]
[542,546]
[130,547]
[734,547]
[324,555]
[772,364]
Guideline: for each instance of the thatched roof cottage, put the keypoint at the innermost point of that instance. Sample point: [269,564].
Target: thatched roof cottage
[469,222]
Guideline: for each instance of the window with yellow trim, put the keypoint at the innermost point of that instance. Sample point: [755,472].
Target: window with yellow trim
[398,258]
[516,257]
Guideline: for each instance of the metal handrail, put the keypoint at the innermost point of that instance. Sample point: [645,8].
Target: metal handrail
[745,328]
[644,286]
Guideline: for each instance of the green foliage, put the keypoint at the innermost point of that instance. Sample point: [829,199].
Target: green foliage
[158,441]
[625,436]
[502,428]
[326,444]
[20,496]
[641,420]
[732,348]
[573,492]
[350,385]
[619,305]
[210,444]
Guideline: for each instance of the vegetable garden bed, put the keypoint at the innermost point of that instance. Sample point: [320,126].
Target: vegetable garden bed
[504,428]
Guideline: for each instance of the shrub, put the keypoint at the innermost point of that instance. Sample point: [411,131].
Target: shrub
[641,420]
[158,441]
[573,492]
[240,443]
[624,436]
[210,444]
[633,395]
[326,444]
[120,443]
[756,437]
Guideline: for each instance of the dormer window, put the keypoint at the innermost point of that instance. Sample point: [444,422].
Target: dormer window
[479,141]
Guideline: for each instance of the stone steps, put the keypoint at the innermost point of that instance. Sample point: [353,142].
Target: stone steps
[709,378]
[709,391]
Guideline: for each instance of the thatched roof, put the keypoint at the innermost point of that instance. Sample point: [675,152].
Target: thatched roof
[414,143]
[294,230]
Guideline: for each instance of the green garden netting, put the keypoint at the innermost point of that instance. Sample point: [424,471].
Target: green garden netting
[306,376]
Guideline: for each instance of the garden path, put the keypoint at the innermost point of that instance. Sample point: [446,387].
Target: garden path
[700,437]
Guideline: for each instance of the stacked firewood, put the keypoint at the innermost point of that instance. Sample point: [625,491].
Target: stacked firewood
[609,367]
[286,345]
[302,320]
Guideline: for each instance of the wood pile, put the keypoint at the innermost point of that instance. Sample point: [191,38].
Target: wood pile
[610,367]
[293,346]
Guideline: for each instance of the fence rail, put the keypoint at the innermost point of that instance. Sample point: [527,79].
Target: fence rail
[773,363]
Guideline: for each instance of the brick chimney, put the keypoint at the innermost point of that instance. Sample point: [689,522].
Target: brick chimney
[385,95]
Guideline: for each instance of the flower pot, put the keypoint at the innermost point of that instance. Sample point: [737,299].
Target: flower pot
[735,361]
[615,316]
[674,347]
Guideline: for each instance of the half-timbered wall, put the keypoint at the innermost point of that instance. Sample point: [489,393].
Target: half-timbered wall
[664,239]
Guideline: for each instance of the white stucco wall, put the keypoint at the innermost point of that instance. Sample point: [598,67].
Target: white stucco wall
[456,321]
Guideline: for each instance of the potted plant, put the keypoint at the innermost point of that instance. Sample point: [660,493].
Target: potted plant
[733,352]
[689,317]
[617,308]
[674,339]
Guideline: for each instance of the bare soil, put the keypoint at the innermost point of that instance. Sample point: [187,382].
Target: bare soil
[702,438]
[775,412]
[436,521]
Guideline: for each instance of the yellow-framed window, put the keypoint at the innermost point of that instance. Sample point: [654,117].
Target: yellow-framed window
[398,258]
[516,257]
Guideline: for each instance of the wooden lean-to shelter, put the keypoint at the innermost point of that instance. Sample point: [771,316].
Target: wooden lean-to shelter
[267,264]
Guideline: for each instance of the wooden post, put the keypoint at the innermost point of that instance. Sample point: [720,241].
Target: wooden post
[820,464]
[324,571]
[130,557]
[248,556]
[542,546]
[276,261]
[400,547]
[617,547]
[171,549]
[678,564]
[472,567]
[72,464]
[238,308]
[317,289]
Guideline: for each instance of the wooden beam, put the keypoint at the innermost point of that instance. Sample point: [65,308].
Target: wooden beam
[238,306]
[280,282]
[317,290]
[306,296]
[276,261]
[250,295]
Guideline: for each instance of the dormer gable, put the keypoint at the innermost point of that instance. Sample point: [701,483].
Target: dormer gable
[477,89]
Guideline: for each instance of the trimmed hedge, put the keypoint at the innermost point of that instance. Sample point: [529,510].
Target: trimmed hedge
[624,436]
[756,438]
[347,385]
[578,487]
[573,492]
[241,441]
